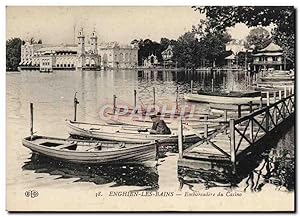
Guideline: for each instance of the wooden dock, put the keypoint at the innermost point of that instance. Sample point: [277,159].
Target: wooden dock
[236,138]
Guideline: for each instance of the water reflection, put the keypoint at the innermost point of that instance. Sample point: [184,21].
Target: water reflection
[271,163]
[123,175]
[52,95]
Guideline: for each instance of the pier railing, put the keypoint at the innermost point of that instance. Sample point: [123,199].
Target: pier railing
[250,128]
[241,133]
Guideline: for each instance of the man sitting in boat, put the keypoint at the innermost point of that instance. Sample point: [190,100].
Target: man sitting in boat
[159,126]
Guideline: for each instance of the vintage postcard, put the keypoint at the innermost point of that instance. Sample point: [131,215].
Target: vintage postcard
[157,108]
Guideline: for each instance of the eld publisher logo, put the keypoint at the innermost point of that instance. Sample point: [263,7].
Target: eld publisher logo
[31,193]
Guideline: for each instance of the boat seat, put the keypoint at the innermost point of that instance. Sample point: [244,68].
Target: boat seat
[66,145]
[94,147]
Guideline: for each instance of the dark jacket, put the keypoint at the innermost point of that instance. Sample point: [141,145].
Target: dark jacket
[161,127]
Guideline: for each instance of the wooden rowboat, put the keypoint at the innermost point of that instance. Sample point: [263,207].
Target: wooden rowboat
[124,133]
[233,97]
[92,152]
[145,121]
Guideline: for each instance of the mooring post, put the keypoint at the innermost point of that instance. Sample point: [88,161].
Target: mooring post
[176,98]
[280,96]
[260,102]
[114,103]
[212,85]
[225,119]
[285,92]
[274,109]
[239,110]
[180,139]
[134,98]
[76,102]
[232,144]
[153,96]
[268,98]
[267,118]
[225,115]
[205,127]
[251,122]
[31,119]
[192,86]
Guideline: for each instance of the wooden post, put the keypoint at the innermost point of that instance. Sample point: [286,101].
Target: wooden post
[114,103]
[268,98]
[180,139]
[31,119]
[239,111]
[280,96]
[153,96]
[292,89]
[267,119]
[274,110]
[275,97]
[192,86]
[176,98]
[212,85]
[261,102]
[75,106]
[225,115]
[134,98]
[205,127]
[251,122]
[225,119]
[232,144]
[285,92]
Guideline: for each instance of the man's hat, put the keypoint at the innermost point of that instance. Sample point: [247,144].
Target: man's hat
[155,115]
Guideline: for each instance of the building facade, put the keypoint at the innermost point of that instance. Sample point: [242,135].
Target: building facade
[115,55]
[270,57]
[88,56]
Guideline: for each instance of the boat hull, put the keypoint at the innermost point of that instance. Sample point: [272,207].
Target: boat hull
[220,99]
[134,154]
[118,133]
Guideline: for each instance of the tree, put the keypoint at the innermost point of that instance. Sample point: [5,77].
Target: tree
[186,50]
[215,44]
[258,37]
[40,41]
[13,53]
[219,18]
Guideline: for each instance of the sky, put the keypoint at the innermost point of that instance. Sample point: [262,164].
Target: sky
[55,25]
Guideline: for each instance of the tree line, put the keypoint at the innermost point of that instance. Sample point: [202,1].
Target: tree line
[191,50]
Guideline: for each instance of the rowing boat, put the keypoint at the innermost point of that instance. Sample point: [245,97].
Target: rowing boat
[233,97]
[92,152]
[146,122]
[124,133]
[278,76]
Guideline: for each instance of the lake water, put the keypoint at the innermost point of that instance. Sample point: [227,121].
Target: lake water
[52,95]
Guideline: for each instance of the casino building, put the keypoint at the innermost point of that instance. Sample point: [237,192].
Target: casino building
[83,56]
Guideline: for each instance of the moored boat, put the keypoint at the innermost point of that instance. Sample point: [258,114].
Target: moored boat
[92,152]
[145,121]
[124,133]
[233,97]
